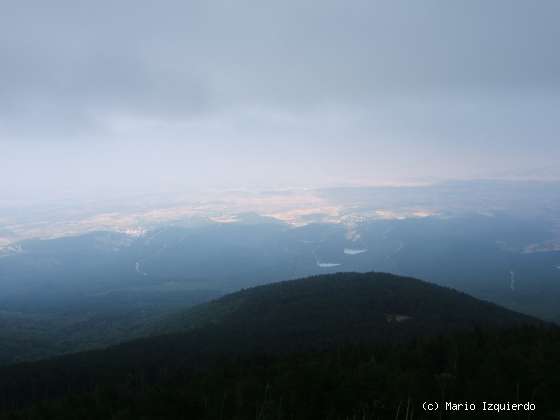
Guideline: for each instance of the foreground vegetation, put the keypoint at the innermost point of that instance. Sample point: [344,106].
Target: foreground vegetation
[346,382]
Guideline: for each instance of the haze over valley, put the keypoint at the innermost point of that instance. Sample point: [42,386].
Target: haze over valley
[120,269]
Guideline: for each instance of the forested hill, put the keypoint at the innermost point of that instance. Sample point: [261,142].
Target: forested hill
[336,346]
[319,310]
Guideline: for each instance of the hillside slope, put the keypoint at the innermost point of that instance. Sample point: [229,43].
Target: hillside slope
[319,310]
[294,343]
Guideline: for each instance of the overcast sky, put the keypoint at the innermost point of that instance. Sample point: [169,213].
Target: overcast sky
[149,95]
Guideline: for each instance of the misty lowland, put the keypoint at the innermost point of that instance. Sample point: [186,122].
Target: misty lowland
[209,310]
[289,210]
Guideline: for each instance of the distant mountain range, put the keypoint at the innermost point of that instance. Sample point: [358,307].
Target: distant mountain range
[510,261]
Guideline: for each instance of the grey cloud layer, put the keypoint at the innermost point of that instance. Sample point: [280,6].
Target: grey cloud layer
[182,56]
[446,79]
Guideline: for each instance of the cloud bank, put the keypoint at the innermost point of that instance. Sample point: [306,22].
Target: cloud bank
[174,94]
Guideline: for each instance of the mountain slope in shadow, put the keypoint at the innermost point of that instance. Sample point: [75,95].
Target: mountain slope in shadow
[320,310]
[307,316]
